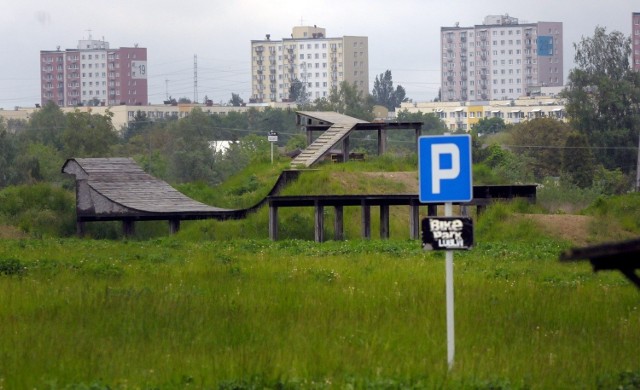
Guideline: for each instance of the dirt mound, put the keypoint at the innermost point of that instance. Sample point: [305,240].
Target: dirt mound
[574,228]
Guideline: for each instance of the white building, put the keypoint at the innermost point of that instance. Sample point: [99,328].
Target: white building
[310,58]
[500,59]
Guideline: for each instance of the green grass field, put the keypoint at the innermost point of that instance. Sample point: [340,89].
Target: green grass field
[170,313]
[218,306]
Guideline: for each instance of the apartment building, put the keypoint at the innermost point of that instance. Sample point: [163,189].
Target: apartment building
[461,116]
[500,59]
[94,75]
[635,40]
[309,58]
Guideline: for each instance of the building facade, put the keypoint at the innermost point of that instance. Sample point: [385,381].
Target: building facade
[94,75]
[635,40]
[461,116]
[308,59]
[500,59]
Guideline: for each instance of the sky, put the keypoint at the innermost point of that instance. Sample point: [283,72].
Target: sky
[403,36]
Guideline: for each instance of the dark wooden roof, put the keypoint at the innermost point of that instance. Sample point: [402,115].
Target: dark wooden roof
[119,189]
[123,182]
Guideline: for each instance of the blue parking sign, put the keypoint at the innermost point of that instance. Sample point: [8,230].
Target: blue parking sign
[444,168]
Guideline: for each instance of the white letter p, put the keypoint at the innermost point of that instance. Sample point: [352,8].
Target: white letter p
[437,173]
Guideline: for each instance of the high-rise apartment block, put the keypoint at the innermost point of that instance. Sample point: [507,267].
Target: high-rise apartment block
[635,40]
[500,59]
[308,59]
[94,75]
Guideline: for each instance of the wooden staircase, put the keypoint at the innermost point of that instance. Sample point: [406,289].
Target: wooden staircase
[318,148]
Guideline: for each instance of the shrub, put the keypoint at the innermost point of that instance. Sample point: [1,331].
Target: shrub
[40,209]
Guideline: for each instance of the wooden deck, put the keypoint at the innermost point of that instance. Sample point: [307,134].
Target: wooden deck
[482,196]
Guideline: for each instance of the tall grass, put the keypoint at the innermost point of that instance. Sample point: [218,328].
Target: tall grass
[252,313]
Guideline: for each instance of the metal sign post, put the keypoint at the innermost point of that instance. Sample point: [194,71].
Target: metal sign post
[451,338]
[444,175]
[273,138]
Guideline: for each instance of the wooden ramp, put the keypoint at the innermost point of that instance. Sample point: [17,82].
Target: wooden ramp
[117,189]
[340,127]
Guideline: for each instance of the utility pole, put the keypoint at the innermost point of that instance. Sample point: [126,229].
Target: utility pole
[195,78]
[638,168]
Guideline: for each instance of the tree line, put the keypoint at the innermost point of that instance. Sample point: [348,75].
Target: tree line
[598,147]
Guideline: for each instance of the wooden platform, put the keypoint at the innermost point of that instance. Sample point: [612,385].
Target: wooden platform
[482,196]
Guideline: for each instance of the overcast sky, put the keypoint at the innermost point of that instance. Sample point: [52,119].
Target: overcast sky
[403,36]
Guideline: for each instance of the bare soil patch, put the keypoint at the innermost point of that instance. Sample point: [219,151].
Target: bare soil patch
[11,232]
[570,227]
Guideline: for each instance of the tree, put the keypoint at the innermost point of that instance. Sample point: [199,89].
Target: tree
[431,124]
[46,126]
[577,161]
[540,141]
[384,94]
[489,125]
[8,154]
[236,100]
[298,92]
[603,98]
[347,100]
[88,135]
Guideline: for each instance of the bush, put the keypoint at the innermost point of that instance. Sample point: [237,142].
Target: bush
[42,210]
[11,267]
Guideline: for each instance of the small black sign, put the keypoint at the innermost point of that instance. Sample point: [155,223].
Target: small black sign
[447,233]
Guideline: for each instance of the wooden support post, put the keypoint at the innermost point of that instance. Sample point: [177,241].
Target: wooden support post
[80,228]
[418,134]
[366,220]
[309,137]
[128,227]
[345,149]
[174,226]
[338,224]
[384,221]
[319,222]
[273,222]
[382,141]
[432,210]
[414,219]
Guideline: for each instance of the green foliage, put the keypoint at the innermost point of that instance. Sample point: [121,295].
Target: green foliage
[11,267]
[578,161]
[297,314]
[611,182]
[384,94]
[623,208]
[497,223]
[236,100]
[347,100]
[8,154]
[539,141]
[489,126]
[298,92]
[431,124]
[88,135]
[626,380]
[41,210]
[603,97]
[561,196]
